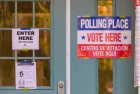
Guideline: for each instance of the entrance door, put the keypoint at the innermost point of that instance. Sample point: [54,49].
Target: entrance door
[98,76]
[49,17]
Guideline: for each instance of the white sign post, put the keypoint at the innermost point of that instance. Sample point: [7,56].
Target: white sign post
[25,39]
[25,75]
[68,47]
[137,45]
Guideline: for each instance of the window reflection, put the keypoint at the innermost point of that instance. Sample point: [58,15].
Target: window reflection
[104,7]
[105,66]
[105,76]
[6,43]
[42,11]
[43,72]
[7,73]
[44,44]
[7,8]
[24,14]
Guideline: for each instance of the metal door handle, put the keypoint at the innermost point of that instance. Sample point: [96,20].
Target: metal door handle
[60,87]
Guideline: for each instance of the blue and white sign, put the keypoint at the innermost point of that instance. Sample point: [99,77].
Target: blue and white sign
[25,38]
[103,37]
[104,23]
[26,75]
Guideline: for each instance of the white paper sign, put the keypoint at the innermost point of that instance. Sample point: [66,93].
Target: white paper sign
[25,38]
[25,75]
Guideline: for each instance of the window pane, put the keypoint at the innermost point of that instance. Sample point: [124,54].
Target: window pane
[21,53]
[44,44]
[105,76]
[6,44]
[42,12]
[7,73]
[104,7]
[7,9]
[24,16]
[105,66]
[43,72]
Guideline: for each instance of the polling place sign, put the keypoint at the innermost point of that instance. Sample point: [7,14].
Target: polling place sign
[103,37]
[25,38]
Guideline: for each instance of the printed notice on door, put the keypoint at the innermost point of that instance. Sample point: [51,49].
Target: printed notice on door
[26,75]
[25,38]
[104,37]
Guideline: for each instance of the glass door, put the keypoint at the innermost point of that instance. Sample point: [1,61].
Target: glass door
[32,14]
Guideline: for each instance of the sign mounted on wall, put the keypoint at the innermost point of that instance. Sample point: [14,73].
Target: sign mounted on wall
[104,37]
[25,38]
[26,75]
